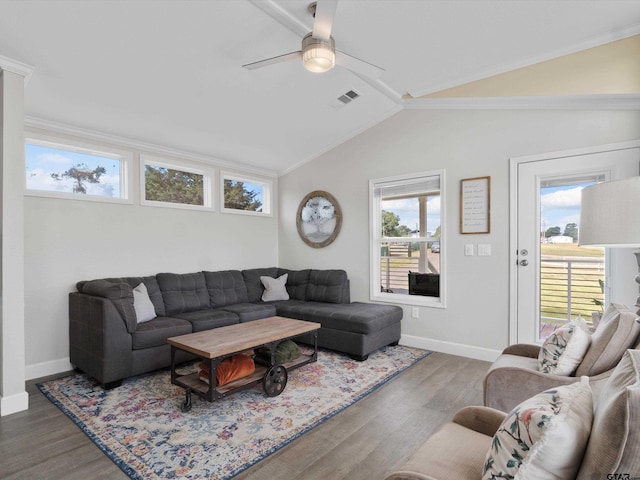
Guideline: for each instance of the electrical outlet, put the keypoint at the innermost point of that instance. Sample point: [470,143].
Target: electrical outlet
[415,312]
[468,249]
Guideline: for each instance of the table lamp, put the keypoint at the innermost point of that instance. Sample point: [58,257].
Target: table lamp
[609,216]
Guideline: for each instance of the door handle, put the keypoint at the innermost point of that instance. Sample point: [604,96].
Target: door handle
[524,263]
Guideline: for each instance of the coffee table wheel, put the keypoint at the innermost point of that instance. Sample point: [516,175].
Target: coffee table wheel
[275,380]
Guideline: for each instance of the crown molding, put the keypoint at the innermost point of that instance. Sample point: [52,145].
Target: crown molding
[19,68]
[562,102]
[143,147]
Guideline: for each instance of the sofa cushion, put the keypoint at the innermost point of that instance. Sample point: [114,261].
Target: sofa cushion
[183,292]
[153,289]
[155,332]
[617,331]
[328,286]
[363,318]
[297,282]
[614,446]
[248,312]
[225,287]
[544,436]
[142,304]
[274,288]
[564,349]
[210,318]
[253,284]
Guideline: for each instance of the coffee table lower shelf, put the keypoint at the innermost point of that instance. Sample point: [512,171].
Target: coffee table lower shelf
[213,346]
[273,380]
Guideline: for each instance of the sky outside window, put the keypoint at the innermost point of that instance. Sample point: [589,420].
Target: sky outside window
[48,170]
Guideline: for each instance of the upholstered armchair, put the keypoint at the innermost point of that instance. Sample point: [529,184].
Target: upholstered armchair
[568,432]
[516,374]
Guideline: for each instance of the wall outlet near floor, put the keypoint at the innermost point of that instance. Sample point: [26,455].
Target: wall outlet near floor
[415,312]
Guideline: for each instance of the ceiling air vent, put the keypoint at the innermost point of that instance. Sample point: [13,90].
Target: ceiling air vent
[346,98]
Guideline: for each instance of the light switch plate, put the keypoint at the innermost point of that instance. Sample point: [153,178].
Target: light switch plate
[468,249]
[484,249]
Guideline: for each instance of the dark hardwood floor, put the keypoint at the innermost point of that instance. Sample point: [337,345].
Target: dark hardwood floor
[364,442]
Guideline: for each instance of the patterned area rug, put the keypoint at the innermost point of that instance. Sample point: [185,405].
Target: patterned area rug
[140,425]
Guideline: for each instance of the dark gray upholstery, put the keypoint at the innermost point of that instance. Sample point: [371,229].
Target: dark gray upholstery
[252,311]
[354,317]
[327,286]
[184,292]
[108,343]
[120,293]
[225,288]
[155,332]
[297,282]
[253,283]
[208,319]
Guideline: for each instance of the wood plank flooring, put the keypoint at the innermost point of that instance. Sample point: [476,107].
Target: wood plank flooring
[366,441]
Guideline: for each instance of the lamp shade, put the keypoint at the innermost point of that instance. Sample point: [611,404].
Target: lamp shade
[609,215]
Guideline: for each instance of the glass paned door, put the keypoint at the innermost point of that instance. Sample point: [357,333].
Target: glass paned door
[554,279]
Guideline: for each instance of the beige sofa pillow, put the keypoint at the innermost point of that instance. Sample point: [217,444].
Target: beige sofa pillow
[614,445]
[617,331]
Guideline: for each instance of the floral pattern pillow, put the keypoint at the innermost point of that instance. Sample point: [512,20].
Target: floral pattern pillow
[544,437]
[564,349]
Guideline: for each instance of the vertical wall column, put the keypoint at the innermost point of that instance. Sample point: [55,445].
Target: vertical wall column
[13,396]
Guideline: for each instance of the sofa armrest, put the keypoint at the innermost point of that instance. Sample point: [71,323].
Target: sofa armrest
[483,420]
[505,387]
[523,350]
[99,343]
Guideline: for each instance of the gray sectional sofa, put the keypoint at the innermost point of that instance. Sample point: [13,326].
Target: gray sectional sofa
[108,342]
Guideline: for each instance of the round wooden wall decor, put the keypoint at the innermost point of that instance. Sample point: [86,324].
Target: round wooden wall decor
[319,219]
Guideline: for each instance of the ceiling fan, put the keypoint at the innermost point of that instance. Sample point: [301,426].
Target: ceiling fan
[318,51]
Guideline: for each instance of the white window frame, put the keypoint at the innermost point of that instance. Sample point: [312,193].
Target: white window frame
[376,239]
[267,194]
[208,175]
[51,141]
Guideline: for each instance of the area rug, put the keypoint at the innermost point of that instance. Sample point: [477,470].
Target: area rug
[141,427]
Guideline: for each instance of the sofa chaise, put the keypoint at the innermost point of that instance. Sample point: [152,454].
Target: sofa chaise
[118,327]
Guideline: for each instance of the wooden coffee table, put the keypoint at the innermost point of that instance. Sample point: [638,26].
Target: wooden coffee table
[215,345]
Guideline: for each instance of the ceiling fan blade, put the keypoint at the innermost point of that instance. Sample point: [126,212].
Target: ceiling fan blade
[273,60]
[323,23]
[359,66]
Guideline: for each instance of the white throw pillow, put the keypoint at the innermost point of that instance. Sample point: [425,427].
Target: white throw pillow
[274,288]
[564,349]
[544,437]
[142,304]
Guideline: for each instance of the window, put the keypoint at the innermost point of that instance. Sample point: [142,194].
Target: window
[76,171]
[245,195]
[169,185]
[408,239]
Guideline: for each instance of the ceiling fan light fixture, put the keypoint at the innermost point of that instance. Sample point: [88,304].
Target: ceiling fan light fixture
[318,56]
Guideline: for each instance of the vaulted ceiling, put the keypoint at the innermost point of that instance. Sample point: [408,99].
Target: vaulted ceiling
[169,72]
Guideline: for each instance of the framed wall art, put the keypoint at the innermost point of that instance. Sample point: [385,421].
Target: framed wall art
[319,219]
[475,203]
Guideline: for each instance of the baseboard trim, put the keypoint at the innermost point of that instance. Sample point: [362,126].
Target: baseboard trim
[44,369]
[14,403]
[451,348]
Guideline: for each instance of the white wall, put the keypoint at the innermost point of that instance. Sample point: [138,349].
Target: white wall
[71,240]
[466,143]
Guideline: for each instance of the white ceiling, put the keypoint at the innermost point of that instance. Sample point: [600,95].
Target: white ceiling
[169,72]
